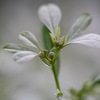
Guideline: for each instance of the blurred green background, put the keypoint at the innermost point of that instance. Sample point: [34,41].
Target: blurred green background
[33,80]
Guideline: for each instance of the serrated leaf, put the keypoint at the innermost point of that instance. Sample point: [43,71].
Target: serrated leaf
[80,25]
[50,16]
[24,56]
[92,40]
[13,48]
[29,39]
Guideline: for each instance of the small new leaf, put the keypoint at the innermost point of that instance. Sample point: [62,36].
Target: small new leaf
[52,37]
[57,33]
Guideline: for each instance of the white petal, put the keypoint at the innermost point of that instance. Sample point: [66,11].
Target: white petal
[92,40]
[24,56]
[80,25]
[14,48]
[50,16]
[29,39]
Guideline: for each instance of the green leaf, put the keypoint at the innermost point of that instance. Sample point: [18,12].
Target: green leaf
[80,25]
[49,45]
[46,38]
[96,86]
[13,48]
[97,82]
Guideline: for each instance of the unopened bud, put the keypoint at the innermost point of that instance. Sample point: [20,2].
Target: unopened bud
[43,53]
[56,43]
[51,55]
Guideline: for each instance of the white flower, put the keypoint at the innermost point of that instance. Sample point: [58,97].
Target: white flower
[24,53]
[23,56]
[50,16]
[92,40]
[75,34]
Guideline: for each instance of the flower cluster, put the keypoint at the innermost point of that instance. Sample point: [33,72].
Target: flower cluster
[50,16]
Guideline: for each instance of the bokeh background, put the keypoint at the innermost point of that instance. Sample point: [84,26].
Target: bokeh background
[33,80]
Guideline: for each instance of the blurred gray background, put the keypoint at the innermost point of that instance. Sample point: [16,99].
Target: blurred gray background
[33,80]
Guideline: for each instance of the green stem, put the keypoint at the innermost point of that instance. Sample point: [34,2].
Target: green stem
[59,93]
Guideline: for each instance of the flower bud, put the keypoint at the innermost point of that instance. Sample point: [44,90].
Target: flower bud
[51,55]
[56,43]
[43,53]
